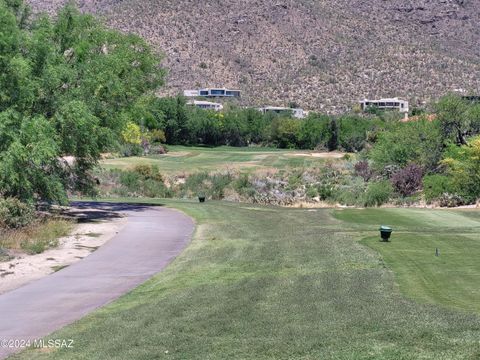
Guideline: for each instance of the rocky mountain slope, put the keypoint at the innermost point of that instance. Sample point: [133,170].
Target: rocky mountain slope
[320,54]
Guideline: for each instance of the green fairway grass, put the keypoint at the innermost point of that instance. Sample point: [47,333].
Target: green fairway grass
[181,159]
[451,279]
[274,283]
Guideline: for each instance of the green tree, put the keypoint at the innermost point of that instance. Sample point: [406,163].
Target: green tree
[418,142]
[29,166]
[285,131]
[353,131]
[463,167]
[457,118]
[332,143]
[314,132]
[67,88]
[132,134]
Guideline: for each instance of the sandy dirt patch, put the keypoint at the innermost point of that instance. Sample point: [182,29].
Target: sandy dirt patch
[177,154]
[323,155]
[92,232]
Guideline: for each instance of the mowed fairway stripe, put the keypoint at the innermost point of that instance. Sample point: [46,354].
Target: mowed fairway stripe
[152,238]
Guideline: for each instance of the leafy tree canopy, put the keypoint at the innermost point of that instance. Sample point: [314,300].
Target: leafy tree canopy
[419,142]
[463,168]
[68,87]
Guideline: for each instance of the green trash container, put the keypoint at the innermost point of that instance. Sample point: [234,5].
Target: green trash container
[385,232]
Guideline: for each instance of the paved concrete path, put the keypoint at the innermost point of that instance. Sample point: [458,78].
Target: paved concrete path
[152,238]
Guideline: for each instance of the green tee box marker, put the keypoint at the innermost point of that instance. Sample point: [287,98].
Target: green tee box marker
[385,232]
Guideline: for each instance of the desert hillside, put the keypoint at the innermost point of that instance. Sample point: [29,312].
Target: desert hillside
[319,54]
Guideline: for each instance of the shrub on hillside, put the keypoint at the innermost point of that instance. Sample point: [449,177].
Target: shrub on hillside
[128,150]
[15,214]
[435,187]
[243,186]
[212,186]
[218,184]
[463,166]
[325,191]
[451,200]
[352,193]
[311,192]
[149,172]
[408,180]
[130,180]
[155,189]
[363,170]
[378,193]
[158,150]
[143,180]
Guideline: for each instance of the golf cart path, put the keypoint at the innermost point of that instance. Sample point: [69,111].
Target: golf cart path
[152,238]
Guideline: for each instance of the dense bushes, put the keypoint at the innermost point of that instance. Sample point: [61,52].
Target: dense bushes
[15,214]
[362,169]
[408,180]
[378,193]
[417,142]
[143,180]
[437,186]
[210,185]
[463,167]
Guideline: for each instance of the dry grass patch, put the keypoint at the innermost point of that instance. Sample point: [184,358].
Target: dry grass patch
[36,238]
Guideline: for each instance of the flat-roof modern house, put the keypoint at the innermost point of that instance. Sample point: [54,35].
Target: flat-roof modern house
[207,105]
[386,104]
[294,112]
[212,92]
[190,93]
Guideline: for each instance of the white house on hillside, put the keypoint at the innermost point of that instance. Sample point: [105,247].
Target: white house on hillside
[207,105]
[212,92]
[294,112]
[386,104]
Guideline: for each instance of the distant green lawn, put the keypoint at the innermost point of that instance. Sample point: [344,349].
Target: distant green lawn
[273,283]
[182,159]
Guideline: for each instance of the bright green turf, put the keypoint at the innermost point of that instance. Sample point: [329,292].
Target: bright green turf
[453,278]
[272,283]
[182,159]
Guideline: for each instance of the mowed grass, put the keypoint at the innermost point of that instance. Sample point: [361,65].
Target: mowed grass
[273,283]
[451,279]
[181,159]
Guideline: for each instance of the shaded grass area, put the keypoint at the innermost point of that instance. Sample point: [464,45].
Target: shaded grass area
[36,238]
[181,159]
[271,283]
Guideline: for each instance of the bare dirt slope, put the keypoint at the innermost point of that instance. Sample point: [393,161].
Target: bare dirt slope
[320,54]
